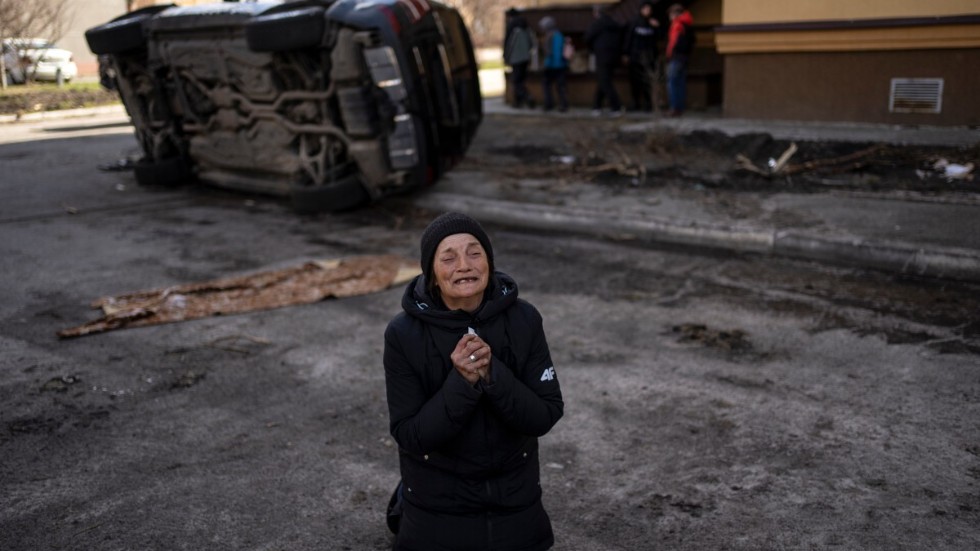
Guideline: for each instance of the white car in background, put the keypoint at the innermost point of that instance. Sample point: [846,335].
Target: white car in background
[37,59]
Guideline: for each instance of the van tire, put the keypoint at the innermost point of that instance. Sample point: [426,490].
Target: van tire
[123,33]
[340,196]
[285,31]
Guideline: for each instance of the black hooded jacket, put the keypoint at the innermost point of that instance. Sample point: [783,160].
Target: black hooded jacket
[470,449]
[604,38]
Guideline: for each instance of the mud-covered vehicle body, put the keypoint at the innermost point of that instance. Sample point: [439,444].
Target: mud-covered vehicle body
[329,102]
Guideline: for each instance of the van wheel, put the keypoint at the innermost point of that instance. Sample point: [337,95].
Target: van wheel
[170,172]
[343,195]
[123,33]
[284,31]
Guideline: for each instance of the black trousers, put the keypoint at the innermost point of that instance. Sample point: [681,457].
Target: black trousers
[642,80]
[527,530]
[518,75]
[605,89]
[555,78]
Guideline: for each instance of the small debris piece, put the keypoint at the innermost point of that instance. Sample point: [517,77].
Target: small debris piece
[60,384]
[121,165]
[774,167]
[958,172]
[188,379]
[778,166]
[835,162]
[305,284]
[782,167]
[242,344]
[734,339]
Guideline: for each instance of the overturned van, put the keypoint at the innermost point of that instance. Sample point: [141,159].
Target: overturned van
[329,103]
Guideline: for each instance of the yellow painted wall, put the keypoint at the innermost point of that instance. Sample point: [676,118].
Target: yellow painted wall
[736,12]
[930,37]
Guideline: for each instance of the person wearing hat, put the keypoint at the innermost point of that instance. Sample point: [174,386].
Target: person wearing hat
[470,388]
[555,64]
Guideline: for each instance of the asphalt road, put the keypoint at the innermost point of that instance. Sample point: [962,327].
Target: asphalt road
[713,401]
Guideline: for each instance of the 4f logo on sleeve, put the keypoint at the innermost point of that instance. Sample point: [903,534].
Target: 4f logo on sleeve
[548,375]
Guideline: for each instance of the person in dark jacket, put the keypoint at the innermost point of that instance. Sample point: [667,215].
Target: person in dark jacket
[470,387]
[517,55]
[604,38]
[641,52]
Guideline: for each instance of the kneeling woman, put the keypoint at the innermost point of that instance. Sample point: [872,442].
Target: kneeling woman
[470,388]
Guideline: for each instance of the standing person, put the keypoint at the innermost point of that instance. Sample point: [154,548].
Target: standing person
[680,43]
[641,52]
[517,54]
[470,387]
[555,64]
[604,38]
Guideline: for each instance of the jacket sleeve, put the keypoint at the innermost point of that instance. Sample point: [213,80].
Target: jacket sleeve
[591,34]
[530,404]
[675,31]
[627,42]
[421,424]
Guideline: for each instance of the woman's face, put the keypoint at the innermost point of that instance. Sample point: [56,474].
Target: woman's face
[461,271]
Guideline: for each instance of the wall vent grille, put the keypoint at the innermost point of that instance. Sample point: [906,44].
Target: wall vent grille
[916,95]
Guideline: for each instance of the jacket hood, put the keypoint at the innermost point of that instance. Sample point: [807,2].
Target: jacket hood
[501,293]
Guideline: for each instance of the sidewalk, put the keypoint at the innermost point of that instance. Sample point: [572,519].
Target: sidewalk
[913,234]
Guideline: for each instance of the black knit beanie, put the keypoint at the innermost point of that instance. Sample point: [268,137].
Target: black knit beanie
[442,227]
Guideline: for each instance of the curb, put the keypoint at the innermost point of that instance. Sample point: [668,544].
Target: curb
[899,258]
[63,114]
[952,136]
[594,222]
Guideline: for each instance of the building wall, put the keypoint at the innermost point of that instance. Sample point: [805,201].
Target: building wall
[772,11]
[86,14]
[835,59]
[840,86]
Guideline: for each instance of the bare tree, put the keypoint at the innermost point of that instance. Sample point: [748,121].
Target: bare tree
[485,18]
[38,18]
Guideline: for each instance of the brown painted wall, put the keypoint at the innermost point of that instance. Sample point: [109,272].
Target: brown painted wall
[836,86]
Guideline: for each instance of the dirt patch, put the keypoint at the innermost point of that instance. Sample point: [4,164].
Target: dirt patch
[600,153]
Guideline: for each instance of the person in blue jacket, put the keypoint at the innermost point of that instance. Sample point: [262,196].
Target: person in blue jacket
[470,387]
[555,64]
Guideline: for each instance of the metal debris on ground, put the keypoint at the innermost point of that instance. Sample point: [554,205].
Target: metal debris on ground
[305,284]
